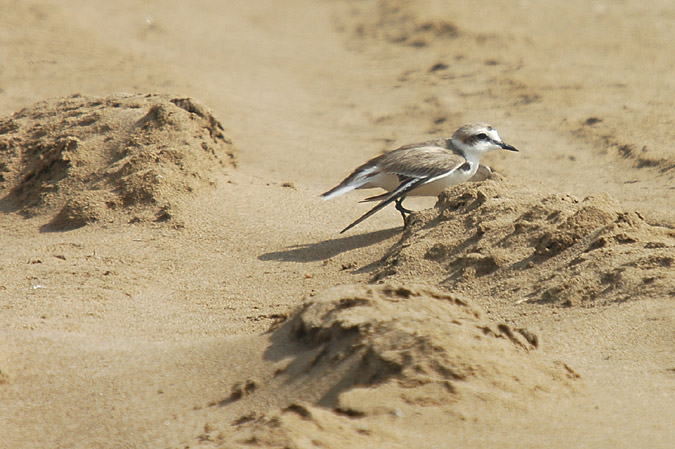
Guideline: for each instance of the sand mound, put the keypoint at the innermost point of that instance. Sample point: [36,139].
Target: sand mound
[365,351]
[504,240]
[119,158]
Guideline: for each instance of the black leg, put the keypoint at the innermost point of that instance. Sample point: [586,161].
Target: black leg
[404,212]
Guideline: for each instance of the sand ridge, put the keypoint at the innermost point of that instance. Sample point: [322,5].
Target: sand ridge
[511,241]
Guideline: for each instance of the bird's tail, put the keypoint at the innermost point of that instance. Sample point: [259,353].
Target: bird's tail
[360,177]
[337,191]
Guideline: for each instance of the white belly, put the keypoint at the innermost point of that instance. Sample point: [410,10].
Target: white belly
[390,182]
[436,187]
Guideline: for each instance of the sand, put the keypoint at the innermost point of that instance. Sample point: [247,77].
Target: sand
[169,276]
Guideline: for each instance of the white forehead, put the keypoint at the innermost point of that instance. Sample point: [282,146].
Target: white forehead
[483,128]
[490,131]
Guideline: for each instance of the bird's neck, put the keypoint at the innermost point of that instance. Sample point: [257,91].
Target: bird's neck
[473,157]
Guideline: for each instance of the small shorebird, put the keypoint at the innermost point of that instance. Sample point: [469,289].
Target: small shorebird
[421,169]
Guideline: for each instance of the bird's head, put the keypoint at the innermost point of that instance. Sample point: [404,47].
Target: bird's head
[476,139]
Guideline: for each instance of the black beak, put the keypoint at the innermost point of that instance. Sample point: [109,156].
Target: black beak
[507,147]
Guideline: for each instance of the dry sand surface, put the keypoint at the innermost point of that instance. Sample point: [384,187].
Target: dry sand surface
[170,278]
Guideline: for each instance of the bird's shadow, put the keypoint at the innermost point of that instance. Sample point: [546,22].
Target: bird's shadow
[313,252]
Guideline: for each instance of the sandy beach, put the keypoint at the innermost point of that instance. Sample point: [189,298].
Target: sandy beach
[171,278]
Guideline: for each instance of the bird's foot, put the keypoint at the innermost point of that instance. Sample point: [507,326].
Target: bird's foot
[403,210]
[405,213]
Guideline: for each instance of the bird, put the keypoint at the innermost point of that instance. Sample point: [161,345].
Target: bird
[421,169]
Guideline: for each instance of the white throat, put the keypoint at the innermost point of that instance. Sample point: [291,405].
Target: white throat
[470,154]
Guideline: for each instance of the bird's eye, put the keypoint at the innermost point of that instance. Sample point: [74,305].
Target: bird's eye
[482,136]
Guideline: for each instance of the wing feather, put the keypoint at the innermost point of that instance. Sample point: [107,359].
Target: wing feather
[425,159]
[428,159]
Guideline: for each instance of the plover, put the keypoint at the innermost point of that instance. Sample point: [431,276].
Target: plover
[421,169]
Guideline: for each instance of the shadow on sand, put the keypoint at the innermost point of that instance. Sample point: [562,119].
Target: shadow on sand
[313,252]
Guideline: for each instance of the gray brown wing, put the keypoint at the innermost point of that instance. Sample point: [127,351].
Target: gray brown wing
[424,160]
